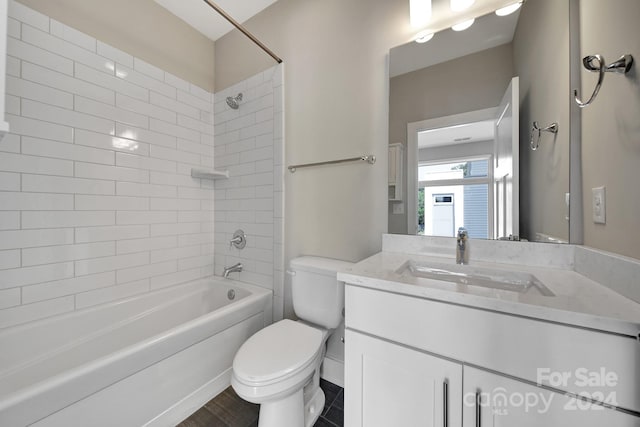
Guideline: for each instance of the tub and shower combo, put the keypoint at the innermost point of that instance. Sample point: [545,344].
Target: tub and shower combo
[150,360]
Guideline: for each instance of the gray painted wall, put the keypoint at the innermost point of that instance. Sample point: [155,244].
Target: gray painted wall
[336,102]
[611,126]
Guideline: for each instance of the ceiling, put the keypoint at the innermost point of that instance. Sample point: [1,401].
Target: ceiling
[459,134]
[203,18]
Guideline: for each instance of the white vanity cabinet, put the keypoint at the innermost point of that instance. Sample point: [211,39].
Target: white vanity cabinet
[392,385]
[400,349]
[492,400]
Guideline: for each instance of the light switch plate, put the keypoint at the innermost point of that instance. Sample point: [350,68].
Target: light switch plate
[598,205]
[398,208]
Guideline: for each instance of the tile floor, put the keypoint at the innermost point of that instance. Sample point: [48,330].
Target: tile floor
[228,410]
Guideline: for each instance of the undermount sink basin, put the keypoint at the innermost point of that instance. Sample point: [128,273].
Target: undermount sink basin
[514,281]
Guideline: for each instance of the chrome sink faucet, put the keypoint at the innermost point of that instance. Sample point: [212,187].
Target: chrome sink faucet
[462,246]
[234,268]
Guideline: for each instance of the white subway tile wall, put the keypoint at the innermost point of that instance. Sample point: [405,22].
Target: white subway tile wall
[249,143]
[96,198]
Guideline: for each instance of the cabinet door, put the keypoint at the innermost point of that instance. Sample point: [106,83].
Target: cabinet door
[395,171]
[393,164]
[391,385]
[492,400]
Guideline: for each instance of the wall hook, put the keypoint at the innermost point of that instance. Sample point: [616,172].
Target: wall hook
[596,64]
[553,128]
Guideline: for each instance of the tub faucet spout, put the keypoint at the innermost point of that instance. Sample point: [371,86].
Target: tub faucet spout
[234,268]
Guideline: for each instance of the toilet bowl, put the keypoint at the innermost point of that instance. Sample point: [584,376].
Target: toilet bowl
[274,367]
[279,366]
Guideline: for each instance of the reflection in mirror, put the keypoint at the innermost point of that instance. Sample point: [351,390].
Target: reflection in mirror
[452,100]
[493,203]
[454,194]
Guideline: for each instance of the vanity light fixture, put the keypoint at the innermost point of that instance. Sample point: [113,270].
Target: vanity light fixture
[419,12]
[460,5]
[423,36]
[508,10]
[463,25]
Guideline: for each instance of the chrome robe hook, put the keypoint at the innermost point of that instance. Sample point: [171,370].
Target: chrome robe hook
[596,64]
[553,128]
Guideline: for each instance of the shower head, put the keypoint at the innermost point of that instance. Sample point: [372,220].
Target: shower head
[234,102]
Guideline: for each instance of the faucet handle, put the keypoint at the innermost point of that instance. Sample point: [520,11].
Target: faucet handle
[239,240]
[462,232]
[235,241]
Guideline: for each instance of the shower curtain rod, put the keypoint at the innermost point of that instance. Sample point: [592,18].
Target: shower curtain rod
[243,30]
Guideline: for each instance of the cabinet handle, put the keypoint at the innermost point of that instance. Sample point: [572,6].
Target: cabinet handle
[445,406]
[478,409]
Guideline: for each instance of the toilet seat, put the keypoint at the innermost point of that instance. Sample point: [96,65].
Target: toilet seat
[277,352]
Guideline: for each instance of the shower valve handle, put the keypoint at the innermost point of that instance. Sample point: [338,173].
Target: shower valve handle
[239,240]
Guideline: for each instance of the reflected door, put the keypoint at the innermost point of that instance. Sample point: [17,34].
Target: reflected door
[506,172]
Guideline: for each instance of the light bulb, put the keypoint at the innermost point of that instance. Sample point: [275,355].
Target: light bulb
[419,12]
[463,25]
[423,37]
[508,10]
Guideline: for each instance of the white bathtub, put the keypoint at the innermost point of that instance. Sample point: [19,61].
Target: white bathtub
[146,361]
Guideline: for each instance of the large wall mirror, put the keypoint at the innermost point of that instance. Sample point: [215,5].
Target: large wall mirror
[461,128]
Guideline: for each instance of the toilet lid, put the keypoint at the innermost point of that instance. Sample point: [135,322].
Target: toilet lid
[276,351]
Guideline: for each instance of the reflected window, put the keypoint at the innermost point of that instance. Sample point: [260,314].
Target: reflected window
[454,194]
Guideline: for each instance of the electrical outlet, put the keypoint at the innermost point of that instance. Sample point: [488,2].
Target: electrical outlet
[598,205]
[398,208]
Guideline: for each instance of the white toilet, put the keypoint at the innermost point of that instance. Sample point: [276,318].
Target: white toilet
[279,366]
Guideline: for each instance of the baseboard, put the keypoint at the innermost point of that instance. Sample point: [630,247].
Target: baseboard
[333,371]
[190,404]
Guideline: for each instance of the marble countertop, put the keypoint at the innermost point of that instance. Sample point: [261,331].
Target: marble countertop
[578,301]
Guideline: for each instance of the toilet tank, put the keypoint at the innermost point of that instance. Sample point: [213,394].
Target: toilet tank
[318,297]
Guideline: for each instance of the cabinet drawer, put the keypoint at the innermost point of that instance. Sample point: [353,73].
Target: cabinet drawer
[555,355]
